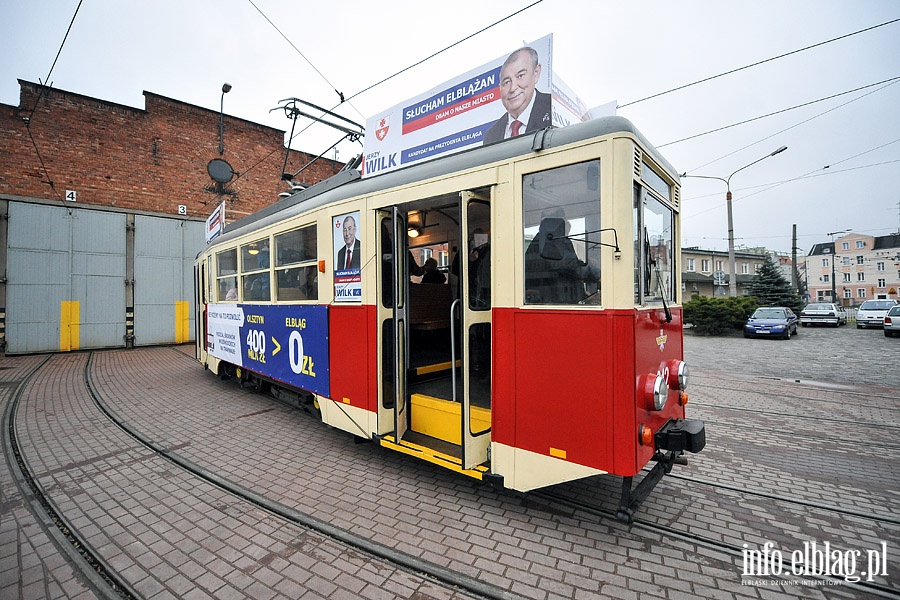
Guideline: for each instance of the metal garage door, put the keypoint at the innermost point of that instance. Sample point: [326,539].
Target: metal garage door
[66,273]
[164,251]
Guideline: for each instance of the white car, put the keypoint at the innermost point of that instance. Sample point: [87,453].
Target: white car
[871,313]
[823,312]
[892,322]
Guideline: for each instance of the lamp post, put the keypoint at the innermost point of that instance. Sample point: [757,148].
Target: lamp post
[226,87]
[834,260]
[732,280]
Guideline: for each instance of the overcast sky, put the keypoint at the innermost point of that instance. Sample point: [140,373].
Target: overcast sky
[620,50]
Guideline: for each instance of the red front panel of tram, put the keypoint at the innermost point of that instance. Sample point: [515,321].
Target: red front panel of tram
[565,383]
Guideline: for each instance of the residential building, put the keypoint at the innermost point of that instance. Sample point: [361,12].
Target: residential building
[708,272]
[857,267]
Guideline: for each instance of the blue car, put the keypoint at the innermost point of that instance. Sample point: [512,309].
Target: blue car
[772,321]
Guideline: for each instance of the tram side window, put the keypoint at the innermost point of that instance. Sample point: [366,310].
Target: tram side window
[226,275]
[255,271]
[561,221]
[296,271]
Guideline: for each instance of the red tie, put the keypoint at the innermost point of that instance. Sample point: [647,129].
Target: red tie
[516,125]
[347,262]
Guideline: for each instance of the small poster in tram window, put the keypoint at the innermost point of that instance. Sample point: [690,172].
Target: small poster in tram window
[347,259]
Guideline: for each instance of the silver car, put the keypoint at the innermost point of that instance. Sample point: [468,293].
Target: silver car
[871,313]
[892,322]
[823,312]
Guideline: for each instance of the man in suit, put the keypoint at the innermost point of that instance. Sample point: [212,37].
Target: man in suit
[527,109]
[351,247]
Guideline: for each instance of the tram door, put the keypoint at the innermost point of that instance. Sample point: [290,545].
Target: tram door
[436,384]
[393,405]
[475,328]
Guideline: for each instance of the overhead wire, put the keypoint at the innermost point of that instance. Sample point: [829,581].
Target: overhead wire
[791,127]
[704,80]
[890,81]
[37,101]
[372,86]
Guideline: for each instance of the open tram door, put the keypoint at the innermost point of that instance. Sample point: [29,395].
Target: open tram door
[393,414]
[435,339]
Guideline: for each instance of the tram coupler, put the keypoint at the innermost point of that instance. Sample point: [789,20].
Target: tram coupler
[632,499]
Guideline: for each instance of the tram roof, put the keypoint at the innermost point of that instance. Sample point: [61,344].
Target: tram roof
[350,183]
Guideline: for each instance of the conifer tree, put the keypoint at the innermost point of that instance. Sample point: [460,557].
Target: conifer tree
[772,289]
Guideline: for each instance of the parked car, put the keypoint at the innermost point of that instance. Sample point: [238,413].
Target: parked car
[892,322]
[772,321]
[871,313]
[823,312]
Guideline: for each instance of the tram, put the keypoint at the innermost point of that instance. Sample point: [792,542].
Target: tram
[510,312]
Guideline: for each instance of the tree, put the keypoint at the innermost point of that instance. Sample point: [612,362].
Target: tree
[772,289]
[718,316]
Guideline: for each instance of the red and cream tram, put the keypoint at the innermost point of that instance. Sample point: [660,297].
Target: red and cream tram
[510,312]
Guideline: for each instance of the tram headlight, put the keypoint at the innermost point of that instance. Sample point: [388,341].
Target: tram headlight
[677,373]
[655,389]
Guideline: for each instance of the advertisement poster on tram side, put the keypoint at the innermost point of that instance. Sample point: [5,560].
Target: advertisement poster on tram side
[288,343]
[347,265]
[464,112]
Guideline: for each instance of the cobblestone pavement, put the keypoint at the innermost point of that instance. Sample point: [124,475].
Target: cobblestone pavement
[843,355]
[172,535]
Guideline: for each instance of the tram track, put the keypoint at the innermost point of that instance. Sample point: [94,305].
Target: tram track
[806,385]
[101,576]
[881,519]
[869,589]
[809,417]
[437,574]
[852,444]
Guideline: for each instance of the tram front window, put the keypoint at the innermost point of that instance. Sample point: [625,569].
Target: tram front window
[561,222]
[654,247]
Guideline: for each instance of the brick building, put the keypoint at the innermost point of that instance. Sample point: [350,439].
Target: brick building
[102,212]
[152,159]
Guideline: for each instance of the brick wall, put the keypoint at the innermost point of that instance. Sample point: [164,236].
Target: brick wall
[151,159]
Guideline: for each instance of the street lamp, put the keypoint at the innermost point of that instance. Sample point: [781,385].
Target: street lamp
[732,280]
[834,260]
[226,87]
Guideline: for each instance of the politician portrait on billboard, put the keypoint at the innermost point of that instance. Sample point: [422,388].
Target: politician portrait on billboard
[527,108]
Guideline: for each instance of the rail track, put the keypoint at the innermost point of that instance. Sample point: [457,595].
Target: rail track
[108,582]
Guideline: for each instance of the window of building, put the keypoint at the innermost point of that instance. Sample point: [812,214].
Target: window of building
[561,230]
[860,244]
[296,268]
[845,245]
[848,293]
[745,268]
[860,260]
[860,276]
[704,265]
[826,278]
[879,266]
[882,283]
[846,277]
[845,261]
[861,292]
[825,262]
[720,265]
[690,265]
